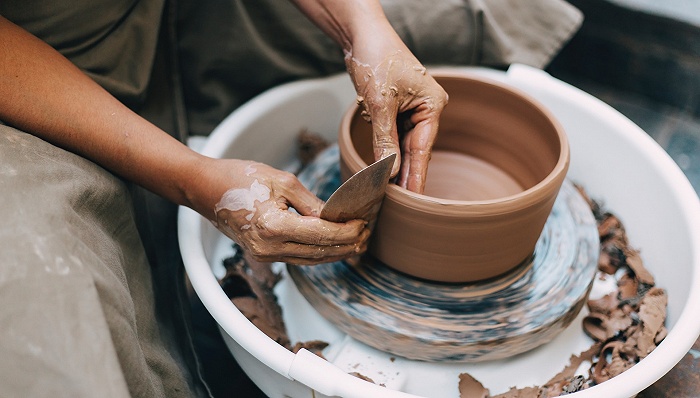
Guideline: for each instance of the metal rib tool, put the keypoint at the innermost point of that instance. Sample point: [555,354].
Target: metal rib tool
[360,197]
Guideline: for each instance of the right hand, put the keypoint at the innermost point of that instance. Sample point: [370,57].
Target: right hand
[389,81]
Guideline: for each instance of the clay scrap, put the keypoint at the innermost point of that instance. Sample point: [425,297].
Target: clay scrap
[471,387]
[308,146]
[249,284]
[625,325]
[629,322]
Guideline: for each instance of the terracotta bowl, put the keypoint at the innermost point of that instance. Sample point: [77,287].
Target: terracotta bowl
[497,166]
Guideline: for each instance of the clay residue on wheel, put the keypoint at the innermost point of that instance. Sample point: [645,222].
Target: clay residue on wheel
[625,325]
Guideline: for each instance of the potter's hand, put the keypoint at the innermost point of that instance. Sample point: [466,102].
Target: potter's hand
[252,209]
[390,81]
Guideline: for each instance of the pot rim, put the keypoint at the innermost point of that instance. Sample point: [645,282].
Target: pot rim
[506,204]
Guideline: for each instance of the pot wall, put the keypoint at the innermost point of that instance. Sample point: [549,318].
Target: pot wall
[469,238]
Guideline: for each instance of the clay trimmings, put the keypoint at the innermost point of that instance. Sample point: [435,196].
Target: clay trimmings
[626,324]
[249,285]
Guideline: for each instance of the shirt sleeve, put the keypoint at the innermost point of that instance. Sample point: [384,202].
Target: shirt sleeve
[484,32]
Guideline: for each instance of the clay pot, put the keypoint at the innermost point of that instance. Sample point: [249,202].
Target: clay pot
[497,166]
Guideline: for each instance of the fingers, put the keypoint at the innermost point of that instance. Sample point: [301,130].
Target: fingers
[385,134]
[280,235]
[299,239]
[310,241]
[418,169]
[307,228]
[413,152]
[286,226]
[417,148]
[299,254]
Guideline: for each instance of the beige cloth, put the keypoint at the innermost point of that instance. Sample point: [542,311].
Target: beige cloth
[88,305]
[228,56]
[77,317]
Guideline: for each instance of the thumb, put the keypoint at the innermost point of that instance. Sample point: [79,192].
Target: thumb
[298,196]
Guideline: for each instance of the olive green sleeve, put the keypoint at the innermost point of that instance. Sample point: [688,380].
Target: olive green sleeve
[484,32]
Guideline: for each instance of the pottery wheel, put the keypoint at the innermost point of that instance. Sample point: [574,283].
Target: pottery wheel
[471,322]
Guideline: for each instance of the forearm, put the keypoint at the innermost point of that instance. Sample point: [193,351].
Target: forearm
[346,22]
[43,93]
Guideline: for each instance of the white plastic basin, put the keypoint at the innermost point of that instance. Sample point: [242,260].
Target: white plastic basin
[611,157]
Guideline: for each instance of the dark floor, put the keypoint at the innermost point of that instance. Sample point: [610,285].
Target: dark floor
[221,372]
[675,130]
[648,68]
[645,66]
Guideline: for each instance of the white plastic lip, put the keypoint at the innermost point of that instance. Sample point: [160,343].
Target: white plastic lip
[680,338]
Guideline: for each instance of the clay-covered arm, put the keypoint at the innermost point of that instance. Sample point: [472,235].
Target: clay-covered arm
[42,93]
[46,95]
[389,80]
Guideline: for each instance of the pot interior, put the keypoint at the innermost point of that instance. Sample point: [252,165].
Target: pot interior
[493,142]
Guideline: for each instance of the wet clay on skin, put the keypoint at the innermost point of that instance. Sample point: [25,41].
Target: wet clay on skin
[258,218]
[244,199]
[371,82]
